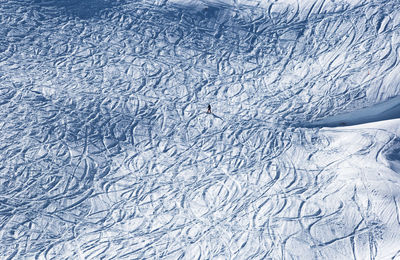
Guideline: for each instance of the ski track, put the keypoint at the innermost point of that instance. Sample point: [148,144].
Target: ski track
[107,151]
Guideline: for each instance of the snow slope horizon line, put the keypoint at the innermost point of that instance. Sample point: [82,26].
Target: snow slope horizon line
[386,110]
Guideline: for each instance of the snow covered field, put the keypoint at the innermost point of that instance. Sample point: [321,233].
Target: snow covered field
[107,150]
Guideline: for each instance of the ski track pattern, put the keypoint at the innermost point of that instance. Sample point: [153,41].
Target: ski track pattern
[107,151]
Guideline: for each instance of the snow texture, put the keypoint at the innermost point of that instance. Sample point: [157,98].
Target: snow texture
[107,150]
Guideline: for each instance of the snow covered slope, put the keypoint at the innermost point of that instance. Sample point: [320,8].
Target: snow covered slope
[387,110]
[107,152]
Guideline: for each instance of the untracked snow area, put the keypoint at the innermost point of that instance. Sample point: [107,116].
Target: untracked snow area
[107,150]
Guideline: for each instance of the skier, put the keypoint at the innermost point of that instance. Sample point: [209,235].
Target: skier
[209,109]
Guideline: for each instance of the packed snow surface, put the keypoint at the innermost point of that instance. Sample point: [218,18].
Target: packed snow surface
[107,150]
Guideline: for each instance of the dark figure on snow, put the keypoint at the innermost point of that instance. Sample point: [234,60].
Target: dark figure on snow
[209,109]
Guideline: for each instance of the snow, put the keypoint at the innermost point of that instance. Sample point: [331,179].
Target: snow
[107,150]
[382,111]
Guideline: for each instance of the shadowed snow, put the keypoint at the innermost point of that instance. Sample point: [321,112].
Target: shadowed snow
[382,111]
